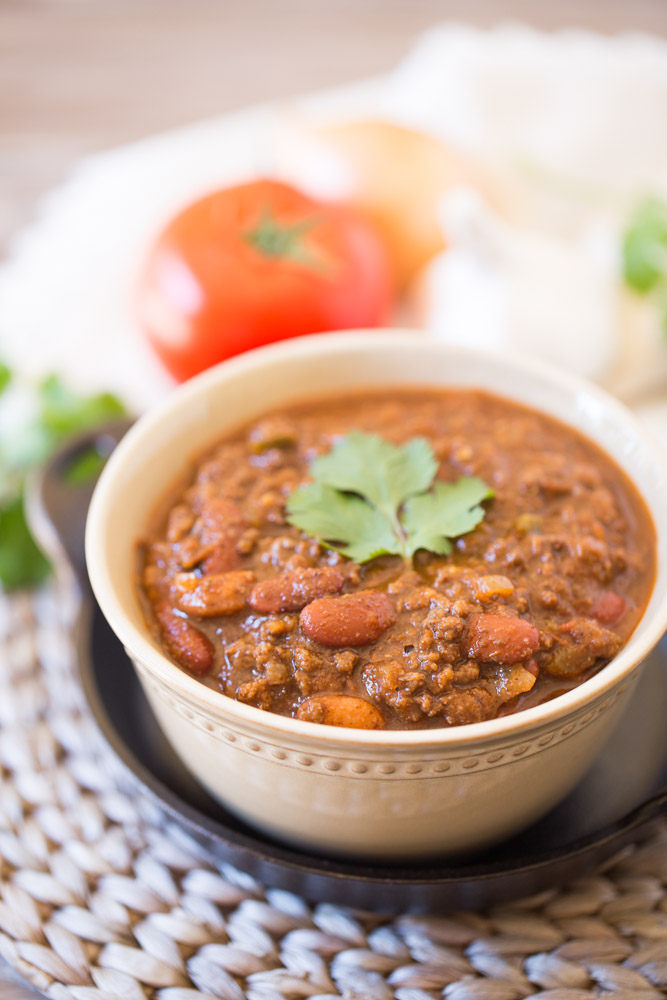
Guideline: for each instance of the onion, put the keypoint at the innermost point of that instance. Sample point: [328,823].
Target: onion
[396,175]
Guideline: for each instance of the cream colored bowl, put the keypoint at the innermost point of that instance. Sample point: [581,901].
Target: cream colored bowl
[367,793]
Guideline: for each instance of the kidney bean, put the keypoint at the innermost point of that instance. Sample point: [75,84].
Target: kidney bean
[609,608]
[212,557]
[533,667]
[218,516]
[191,552]
[222,558]
[215,536]
[499,639]
[185,643]
[292,591]
[341,710]
[348,619]
[216,594]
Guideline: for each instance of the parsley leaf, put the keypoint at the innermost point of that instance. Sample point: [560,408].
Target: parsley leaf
[54,412]
[370,497]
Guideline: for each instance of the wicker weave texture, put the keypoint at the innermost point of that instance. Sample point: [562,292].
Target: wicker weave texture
[101,900]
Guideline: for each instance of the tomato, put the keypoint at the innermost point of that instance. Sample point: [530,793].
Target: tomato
[256,263]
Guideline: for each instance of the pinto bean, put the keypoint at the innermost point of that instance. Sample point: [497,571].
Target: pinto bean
[292,591]
[341,710]
[348,619]
[216,594]
[500,639]
[184,641]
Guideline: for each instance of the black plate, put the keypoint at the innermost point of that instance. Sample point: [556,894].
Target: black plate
[621,794]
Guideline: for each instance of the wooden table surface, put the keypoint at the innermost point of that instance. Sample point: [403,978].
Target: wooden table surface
[83,75]
[78,76]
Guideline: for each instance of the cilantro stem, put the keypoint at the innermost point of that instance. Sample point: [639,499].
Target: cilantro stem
[392,515]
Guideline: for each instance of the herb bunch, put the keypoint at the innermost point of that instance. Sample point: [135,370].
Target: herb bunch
[645,252]
[48,413]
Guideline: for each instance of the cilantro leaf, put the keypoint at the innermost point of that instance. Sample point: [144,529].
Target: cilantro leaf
[370,497]
[21,562]
[84,468]
[58,413]
[55,413]
[5,377]
[447,511]
[384,473]
[361,531]
[645,246]
[64,412]
[645,253]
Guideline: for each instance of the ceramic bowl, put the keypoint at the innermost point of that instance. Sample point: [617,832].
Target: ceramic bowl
[379,794]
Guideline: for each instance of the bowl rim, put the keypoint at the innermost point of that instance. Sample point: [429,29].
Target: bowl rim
[645,637]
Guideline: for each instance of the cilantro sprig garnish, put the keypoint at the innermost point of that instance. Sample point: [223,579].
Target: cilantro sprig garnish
[370,497]
[645,252]
[48,413]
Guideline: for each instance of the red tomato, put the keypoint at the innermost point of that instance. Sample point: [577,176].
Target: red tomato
[256,263]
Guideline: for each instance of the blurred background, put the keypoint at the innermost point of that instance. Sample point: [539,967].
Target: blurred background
[78,76]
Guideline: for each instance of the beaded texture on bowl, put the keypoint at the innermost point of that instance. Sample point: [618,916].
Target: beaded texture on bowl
[430,765]
[100,898]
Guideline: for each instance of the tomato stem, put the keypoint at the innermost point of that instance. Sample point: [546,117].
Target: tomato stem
[276,239]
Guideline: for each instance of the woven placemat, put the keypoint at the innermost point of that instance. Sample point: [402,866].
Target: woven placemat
[102,899]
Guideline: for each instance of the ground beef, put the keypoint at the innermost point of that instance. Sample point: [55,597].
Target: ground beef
[538,597]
